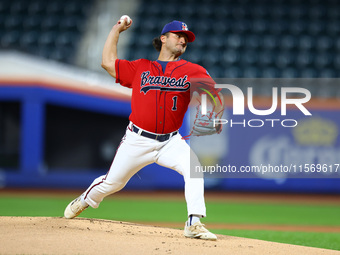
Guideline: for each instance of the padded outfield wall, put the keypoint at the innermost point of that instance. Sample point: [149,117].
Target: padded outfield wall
[56,135]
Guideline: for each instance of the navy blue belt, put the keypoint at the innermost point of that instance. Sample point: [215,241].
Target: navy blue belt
[160,137]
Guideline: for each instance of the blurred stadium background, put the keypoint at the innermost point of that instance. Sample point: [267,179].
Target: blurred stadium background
[62,117]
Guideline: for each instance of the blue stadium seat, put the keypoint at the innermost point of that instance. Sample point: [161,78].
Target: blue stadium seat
[305,59]
[323,60]
[260,12]
[298,27]
[36,7]
[61,54]
[167,8]
[270,72]
[251,72]
[10,39]
[328,73]
[249,57]
[239,12]
[32,22]
[270,42]
[216,71]
[298,12]
[316,27]
[232,72]
[13,22]
[333,12]
[29,39]
[55,8]
[201,42]
[234,41]
[70,23]
[278,27]
[140,52]
[336,45]
[285,59]
[288,42]
[211,58]
[201,26]
[260,26]
[2,21]
[204,11]
[317,12]
[241,26]
[50,22]
[73,8]
[274,37]
[5,7]
[336,62]
[47,39]
[279,11]
[308,73]
[266,58]
[289,72]
[218,43]
[231,57]
[39,26]
[324,43]
[333,28]
[145,40]
[186,11]
[306,42]
[220,28]
[221,12]
[18,7]
[193,54]
[151,27]
[66,39]
[252,41]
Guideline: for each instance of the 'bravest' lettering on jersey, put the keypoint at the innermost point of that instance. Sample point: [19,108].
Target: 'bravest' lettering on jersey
[163,83]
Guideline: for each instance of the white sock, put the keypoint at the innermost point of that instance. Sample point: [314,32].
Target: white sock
[193,218]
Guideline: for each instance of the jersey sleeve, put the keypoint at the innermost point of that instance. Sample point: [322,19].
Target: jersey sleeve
[202,82]
[125,71]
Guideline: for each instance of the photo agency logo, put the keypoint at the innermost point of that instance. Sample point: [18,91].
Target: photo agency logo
[239,98]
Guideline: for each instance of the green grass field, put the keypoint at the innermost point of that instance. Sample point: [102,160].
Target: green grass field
[173,211]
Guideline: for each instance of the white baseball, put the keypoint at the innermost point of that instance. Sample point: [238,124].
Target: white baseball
[128,20]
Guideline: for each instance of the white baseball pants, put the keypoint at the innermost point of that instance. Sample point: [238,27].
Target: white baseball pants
[134,153]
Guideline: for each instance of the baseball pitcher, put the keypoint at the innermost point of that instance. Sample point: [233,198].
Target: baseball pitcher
[161,93]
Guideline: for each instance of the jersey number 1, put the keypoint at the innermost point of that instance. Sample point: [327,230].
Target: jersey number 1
[174,107]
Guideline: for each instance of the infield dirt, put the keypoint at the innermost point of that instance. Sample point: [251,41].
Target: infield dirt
[44,235]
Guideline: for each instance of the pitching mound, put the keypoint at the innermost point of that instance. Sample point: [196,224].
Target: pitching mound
[42,235]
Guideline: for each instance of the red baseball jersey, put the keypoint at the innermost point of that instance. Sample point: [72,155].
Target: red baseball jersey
[159,100]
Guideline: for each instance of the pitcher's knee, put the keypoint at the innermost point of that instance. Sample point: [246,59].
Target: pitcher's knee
[112,187]
[98,192]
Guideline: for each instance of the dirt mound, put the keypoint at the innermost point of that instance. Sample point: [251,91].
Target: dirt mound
[43,235]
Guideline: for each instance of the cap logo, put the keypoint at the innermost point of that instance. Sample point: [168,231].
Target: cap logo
[178,26]
[184,27]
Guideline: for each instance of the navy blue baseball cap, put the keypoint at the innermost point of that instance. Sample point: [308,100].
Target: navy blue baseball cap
[179,26]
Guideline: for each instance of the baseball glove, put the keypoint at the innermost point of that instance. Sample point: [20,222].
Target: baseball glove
[204,124]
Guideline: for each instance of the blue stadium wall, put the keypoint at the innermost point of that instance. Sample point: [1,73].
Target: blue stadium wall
[244,145]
